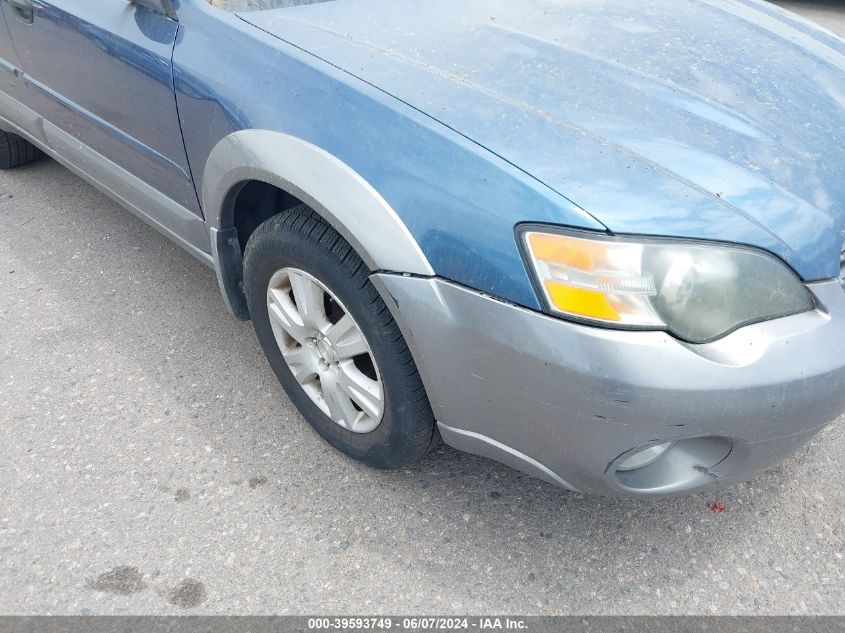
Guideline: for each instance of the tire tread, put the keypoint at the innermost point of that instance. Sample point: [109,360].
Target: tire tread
[16,151]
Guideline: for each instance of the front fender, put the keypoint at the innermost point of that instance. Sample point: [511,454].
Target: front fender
[325,183]
[328,185]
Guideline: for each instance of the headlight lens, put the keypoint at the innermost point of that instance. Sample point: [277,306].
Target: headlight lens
[697,291]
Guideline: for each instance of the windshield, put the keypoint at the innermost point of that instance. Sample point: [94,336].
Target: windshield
[259,5]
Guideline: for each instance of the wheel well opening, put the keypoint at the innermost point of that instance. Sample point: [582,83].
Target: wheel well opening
[255,203]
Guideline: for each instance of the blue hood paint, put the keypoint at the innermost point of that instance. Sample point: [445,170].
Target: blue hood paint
[708,119]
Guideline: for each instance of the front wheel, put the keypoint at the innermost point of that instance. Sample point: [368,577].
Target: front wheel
[332,342]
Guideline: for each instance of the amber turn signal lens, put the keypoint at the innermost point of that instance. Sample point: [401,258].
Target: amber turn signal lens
[593,279]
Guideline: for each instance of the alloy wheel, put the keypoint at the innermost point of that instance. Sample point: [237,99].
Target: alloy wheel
[325,350]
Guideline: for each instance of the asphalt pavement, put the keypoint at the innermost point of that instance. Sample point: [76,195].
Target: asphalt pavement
[150,463]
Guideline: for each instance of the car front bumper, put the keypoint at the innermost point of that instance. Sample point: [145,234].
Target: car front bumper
[566,402]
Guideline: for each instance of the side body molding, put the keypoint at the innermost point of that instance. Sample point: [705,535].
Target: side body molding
[325,183]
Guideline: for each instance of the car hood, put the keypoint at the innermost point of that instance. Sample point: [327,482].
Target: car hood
[713,119]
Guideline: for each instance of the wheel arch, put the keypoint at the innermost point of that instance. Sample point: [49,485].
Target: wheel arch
[310,175]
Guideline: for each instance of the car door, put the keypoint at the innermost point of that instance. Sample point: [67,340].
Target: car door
[100,72]
[10,64]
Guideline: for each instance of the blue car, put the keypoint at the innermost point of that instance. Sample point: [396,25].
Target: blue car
[597,241]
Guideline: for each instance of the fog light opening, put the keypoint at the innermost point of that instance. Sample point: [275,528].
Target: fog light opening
[645,457]
[670,466]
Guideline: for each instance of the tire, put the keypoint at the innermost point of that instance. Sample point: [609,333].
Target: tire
[299,241]
[16,151]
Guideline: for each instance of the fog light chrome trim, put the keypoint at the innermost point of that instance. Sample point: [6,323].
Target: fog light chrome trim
[643,458]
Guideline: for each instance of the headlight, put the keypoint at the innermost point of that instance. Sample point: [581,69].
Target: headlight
[697,291]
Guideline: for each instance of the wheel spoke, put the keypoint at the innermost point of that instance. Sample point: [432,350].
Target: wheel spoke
[303,364]
[341,409]
[309,300]
[347,339]
[362,390]
[322,356]
[283,313]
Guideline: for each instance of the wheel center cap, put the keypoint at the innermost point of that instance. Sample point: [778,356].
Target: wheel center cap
[326,350]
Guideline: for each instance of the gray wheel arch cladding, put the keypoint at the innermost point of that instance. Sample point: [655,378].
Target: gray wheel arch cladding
[325,183]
